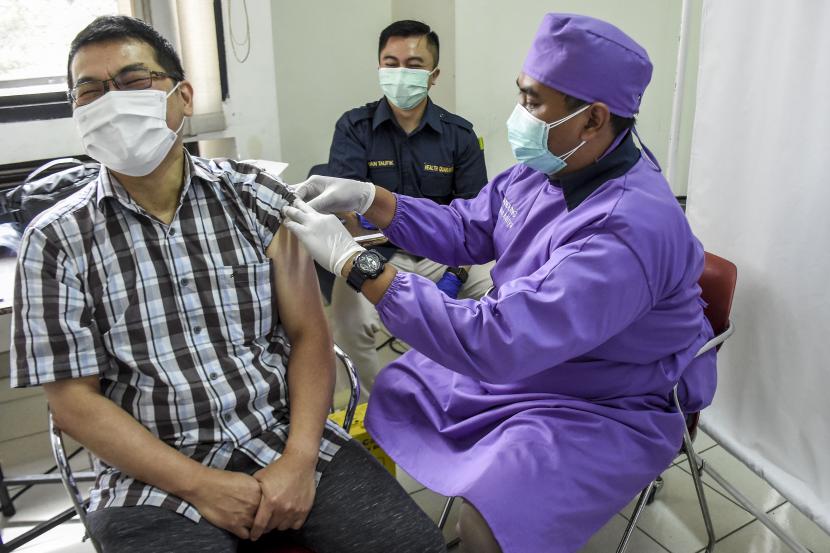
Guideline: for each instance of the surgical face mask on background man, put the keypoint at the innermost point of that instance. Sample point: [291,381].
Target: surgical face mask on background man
[126,130]
[528,136]
[404,87]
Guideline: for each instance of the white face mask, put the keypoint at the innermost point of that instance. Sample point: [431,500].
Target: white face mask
[126,130]
[404,87]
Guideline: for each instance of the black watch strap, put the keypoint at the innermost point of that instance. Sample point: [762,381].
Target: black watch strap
[368,264]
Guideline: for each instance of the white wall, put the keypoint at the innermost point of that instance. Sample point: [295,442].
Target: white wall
[492,39]
[440,16]
[483,44]
[326,63]
[251,110]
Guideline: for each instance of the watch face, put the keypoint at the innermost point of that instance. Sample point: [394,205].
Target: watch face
[368,263]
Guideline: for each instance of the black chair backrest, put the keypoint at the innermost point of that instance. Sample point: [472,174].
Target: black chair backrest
[319,169]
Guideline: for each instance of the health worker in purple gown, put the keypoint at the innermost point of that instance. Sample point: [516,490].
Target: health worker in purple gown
[545,405]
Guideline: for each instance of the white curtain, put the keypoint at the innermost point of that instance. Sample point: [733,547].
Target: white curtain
[759,193]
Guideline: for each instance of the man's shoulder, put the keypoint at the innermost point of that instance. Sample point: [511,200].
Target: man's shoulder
[70,210]
[453,119]
[251,181]
[360,113]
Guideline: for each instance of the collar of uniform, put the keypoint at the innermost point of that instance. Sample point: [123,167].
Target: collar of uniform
[577,186]
[432,116]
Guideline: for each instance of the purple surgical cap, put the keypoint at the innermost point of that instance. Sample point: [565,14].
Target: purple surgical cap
[590,60]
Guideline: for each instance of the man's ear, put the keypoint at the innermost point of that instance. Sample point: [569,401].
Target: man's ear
[434,76]
[599,118]
[186,91]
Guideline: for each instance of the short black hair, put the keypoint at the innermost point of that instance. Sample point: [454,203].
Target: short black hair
[618,123]
[407,28]
[120,27]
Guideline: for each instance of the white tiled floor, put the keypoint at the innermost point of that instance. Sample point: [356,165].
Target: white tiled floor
[672,524]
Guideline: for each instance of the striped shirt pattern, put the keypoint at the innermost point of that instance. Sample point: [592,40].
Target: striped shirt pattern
[176,320]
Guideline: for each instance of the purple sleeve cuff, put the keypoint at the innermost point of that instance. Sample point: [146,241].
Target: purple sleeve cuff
[388,299]
[392,229]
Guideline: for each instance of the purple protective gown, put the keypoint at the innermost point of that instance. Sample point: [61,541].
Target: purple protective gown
[545,404]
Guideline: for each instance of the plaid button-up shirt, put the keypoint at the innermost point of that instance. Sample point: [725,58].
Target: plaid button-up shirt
[176,320]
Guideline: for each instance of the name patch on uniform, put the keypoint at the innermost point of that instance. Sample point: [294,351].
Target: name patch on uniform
[382,163]
[438,168]
[507,213]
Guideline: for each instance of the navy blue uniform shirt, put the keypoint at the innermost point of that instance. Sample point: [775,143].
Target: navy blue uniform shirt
[441,159]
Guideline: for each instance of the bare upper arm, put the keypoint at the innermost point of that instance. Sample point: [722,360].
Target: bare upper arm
[69,394]
[296,288]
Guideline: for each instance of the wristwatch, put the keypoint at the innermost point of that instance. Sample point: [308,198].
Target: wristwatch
[460,272]
[368,264]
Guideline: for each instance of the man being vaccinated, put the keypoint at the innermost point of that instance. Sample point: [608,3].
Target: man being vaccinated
[409,145]
[546,404]
[178,333]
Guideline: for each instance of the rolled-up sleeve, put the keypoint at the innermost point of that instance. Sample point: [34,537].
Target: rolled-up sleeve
[53,329]
[263,195]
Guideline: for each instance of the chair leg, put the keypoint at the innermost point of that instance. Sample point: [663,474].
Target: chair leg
[445,514]
[5,501]
[442,521]
[69,482]
[658,485]
[695,464]
[632,523]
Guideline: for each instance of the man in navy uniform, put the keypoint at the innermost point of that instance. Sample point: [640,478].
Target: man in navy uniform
[409,145]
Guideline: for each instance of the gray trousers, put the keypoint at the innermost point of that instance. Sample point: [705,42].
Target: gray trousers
[359,508]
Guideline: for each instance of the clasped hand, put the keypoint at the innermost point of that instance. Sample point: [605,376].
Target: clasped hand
[277,497]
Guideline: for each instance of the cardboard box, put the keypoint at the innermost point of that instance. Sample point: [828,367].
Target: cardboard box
[359,433]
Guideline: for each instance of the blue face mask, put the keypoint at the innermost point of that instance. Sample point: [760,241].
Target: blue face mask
[528,137]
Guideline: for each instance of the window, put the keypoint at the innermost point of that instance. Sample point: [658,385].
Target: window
[36,38]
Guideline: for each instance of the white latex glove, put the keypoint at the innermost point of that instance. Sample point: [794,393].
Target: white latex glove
[324,236]
[336,195]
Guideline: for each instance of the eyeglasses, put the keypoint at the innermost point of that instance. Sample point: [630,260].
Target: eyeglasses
[130,79]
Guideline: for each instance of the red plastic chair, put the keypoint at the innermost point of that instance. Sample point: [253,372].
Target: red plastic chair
[717,285]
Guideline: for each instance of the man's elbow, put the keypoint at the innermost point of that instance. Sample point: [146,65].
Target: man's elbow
[66,417]
[69,404]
